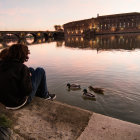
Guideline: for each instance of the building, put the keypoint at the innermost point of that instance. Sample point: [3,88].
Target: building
[79,27]
[108,24]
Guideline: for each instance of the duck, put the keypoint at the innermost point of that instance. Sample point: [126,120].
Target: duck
[88,95]
[73,86]
[96,90]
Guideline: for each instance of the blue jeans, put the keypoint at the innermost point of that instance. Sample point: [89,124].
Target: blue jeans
[39,83]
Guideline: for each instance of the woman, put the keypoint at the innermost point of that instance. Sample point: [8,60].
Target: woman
[18,83]
[3,53]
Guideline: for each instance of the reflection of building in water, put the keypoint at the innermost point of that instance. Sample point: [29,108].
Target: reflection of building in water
[59,43]
[77,41]
[105,42]
[1,46]
[118,23]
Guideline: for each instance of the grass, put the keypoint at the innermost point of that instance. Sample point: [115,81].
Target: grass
[5,121]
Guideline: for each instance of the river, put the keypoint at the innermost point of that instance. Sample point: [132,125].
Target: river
[111,62]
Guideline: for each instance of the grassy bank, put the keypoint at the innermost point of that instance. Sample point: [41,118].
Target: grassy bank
[5,121]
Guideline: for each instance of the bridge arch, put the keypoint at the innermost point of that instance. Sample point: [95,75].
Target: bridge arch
[46,36]
[9,35]
[33,34]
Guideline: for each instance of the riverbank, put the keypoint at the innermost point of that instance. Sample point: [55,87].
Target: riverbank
[43,120]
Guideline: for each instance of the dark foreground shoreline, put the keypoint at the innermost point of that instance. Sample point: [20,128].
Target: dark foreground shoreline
[54,120]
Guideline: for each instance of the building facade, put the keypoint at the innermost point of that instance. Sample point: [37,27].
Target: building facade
[109,24]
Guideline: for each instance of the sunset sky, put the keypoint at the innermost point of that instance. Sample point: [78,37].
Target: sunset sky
[44,14]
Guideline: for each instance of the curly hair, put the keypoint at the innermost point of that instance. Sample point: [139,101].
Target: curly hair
[19,52]
[3,53]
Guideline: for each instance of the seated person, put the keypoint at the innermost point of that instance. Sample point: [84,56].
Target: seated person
[3,53]
[18,83]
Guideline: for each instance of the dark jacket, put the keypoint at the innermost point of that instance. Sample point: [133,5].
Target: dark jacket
[15,83]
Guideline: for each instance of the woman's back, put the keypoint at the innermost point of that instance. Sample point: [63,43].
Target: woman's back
[15,82]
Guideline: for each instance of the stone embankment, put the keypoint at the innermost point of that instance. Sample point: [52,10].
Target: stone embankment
[43,120]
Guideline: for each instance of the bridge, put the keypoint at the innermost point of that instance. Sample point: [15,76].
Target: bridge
[9,42]
[24,34]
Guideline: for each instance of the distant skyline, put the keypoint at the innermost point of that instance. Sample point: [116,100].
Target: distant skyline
[44,14]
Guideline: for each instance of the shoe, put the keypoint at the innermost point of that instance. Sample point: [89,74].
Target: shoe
[17,107]
[47,97]
[53,96]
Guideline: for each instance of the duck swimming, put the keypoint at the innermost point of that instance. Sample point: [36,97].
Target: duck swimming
[88,95]
[96,90]
[73,86]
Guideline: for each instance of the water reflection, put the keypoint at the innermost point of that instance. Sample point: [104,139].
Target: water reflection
[60,43]
[75,60]
[1,46]
[99,43]
[8,42]
[114,70]
[30,41]
[105,42]
[27,41]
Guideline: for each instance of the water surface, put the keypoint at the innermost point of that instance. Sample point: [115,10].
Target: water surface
[109,62]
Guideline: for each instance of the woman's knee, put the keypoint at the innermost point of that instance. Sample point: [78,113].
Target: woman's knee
[40,70]
[31,69]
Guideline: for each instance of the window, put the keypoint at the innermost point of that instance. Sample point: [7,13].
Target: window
[128,24]
[120,24]
[124,24]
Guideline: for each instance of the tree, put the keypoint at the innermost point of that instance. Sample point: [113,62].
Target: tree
[58,28]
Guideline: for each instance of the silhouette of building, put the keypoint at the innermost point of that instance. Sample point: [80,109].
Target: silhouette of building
[108,24]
